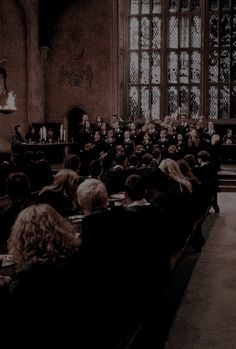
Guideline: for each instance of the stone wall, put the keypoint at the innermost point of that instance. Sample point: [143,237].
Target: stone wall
[13,48]
[77,69]
[79,62]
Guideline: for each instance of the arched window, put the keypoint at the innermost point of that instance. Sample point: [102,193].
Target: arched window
[182,58]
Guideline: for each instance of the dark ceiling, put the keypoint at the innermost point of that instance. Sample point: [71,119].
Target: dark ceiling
[49,10]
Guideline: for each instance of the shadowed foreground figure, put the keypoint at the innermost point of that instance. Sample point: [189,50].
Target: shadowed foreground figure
[47,301]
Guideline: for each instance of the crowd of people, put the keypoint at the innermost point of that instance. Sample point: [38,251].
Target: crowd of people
[108,270]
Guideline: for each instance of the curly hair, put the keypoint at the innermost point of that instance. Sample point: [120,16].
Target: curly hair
[41,235]
[65,181]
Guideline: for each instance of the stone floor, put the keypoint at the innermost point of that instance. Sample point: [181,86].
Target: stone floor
[206,317]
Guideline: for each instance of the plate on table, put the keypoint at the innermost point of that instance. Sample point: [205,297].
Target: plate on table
[117,197]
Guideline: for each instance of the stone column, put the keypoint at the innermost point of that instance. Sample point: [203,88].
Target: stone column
[35,98]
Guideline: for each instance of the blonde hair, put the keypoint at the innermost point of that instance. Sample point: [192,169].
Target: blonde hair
[92,194]
[172,170]
[40,235]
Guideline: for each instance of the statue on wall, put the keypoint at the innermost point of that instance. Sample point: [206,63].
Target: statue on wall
[7,99]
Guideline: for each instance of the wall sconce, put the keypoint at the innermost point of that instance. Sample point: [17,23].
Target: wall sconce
[7,100]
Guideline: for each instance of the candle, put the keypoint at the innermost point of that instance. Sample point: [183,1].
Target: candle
[44,133]
[61,132]
[64,135]
[41,133]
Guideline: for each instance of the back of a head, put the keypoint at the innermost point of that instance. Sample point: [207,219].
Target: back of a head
[203,155]
[121,158]
[39,155]
[133,160]
[18,186]
[92,195]
[169,166]
[95,168]
[147,159]
[134,187]
[72,162]
[40,234]
[184,167]
[66,179]
[29,156]
[190,160]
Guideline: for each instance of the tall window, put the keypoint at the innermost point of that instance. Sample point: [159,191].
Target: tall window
[182,58]
[222,59]
[145,61]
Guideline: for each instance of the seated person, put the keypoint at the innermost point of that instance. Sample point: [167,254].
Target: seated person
[229,137]
[17,138]
[46,251]
[17,197]
[61,194]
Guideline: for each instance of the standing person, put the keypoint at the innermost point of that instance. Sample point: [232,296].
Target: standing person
[17,139]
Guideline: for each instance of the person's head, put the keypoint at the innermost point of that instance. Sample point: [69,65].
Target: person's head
[193,133]
[95,168]
[110,133]
[172,149]
[85,118]
[163,134]
[179,137]
[119,149]
[190,159]
[184,167]
[103,127]
[156,153]
[18,128]
[92,195]
[183,118]
[29,156]
[97,136]
[65,181]
[72,162]
[127,135]
[167,119]
[172,170]
[121,159]
[146,137]
[147,159]
[134,188]
[99,119]
[133,160]
[18,186]
[132,126]
[87,125]
[39,155]
[116,125]
[210,125]
[41,235]
[229,132]
[203,156]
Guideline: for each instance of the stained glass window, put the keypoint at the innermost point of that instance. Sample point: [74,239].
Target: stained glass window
[145,58]
[181,58]
[184,59]
[221,59]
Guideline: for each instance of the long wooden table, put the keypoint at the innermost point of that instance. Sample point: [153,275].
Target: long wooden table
[54,152]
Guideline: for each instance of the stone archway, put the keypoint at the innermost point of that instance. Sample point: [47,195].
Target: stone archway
[74,119]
